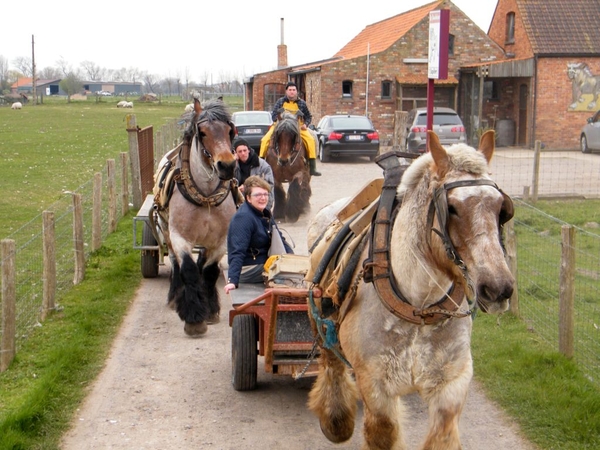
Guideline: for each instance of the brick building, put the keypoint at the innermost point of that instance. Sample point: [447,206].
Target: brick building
[381,71]
[549,83]
[534,76]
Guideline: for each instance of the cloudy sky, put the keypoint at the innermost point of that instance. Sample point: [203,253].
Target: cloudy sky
[215,38]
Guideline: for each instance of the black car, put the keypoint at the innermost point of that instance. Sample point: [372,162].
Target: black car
[342,135]
[252,126]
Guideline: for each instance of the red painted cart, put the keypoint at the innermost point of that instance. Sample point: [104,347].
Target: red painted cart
[272,323]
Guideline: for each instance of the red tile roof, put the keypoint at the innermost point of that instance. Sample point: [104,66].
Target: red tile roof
[379,36]
[561,26]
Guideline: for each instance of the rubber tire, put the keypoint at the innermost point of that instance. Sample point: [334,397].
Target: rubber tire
[583,143]
[244,352]
[150,258]
[324,155]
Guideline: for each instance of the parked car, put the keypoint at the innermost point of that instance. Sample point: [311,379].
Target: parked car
[590,134]
[446,124]
[252,126]
[341,135]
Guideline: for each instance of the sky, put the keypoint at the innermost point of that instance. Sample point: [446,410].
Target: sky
[212,40]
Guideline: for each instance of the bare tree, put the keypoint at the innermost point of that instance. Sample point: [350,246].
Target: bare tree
[24,65]
[49,73]
[93,71]
[151,83]
[3,74]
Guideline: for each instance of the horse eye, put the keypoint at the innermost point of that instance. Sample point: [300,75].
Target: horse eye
[452,210]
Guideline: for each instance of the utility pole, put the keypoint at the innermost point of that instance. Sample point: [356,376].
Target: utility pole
[33,74]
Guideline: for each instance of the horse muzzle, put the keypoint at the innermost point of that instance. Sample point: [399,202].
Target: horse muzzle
[225,170]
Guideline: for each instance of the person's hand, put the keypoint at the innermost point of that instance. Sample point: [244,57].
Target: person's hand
[303,127]
[229,287]
[241,188]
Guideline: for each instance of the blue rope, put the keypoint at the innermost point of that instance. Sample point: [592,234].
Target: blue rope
[330,337]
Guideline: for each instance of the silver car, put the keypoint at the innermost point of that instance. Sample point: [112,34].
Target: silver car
[590,134]
[446,124]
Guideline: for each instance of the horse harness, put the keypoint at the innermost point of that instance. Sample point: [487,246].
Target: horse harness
[182,177]
[376,268]
[295,148]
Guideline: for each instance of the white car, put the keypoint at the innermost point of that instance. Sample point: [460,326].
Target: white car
[590,134]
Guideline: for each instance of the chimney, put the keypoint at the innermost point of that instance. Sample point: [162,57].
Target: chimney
[282,51]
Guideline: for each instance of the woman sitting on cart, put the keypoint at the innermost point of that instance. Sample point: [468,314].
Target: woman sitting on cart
[249,235]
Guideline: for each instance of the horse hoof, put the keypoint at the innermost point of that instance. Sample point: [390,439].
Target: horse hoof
[195,329]
[335,438]
[213,318]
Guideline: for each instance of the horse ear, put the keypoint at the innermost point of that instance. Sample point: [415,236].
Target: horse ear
[487,144]
[197,106]
[440,157]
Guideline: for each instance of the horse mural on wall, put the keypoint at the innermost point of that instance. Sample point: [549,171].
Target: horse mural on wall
[585,85]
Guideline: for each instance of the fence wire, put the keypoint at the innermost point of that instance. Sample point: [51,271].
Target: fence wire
[539,250]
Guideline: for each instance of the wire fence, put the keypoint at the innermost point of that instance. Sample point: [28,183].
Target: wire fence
[539,245]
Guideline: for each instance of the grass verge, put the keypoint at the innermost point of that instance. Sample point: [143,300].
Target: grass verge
[50,375]
[555,405]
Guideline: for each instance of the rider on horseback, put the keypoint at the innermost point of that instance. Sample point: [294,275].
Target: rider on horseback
[292,103]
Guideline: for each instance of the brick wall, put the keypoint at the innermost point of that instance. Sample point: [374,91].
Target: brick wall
[521,46]
[556,124]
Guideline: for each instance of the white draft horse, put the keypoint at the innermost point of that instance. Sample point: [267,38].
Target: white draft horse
[444,248]
[288,159]
[198,214]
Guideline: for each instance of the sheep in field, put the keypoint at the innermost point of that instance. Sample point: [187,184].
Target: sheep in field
[16,105]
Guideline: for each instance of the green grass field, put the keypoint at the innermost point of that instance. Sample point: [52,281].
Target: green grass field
[56,147]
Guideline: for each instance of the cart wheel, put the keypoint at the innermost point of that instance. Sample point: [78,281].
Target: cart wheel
[150,258]
[244,354]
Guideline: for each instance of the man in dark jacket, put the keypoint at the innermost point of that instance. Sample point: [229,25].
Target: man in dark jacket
[248,163]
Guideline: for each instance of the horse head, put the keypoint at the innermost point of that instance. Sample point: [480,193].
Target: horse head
[213,131]
[286,140]
[452,219]
[469,213]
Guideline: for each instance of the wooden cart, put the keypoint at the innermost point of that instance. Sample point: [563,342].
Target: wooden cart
[272,323]
[153,245]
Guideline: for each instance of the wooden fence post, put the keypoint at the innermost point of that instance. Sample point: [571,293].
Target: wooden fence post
[535,182]
[9,302]
[49,261]
[134,159]
[566,314]
[510,241]
[124,185]
[79,271]
[112,196]
[97,212]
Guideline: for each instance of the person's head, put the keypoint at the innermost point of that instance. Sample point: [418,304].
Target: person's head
[256,191]
[242,150]
[291,91]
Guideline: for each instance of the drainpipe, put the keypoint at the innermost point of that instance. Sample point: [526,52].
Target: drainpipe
[535,80]
[367,88]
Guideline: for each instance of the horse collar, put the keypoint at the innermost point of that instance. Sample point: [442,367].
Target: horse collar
[190,190]
[378,269]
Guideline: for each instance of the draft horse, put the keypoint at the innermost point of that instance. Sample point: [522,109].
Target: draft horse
[197,214]
[288,159]
[435,247]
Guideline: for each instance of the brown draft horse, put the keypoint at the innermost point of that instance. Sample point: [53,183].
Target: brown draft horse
[198,214]
[444,248]
[288,160]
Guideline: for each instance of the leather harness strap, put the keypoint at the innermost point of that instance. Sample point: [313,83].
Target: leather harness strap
[377,267]
[190,190]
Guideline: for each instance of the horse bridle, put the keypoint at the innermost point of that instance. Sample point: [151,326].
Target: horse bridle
[377,268]
[295,148]
[439,205]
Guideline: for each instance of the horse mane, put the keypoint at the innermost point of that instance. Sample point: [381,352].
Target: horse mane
[288,123]
[212,110]
[461,157]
